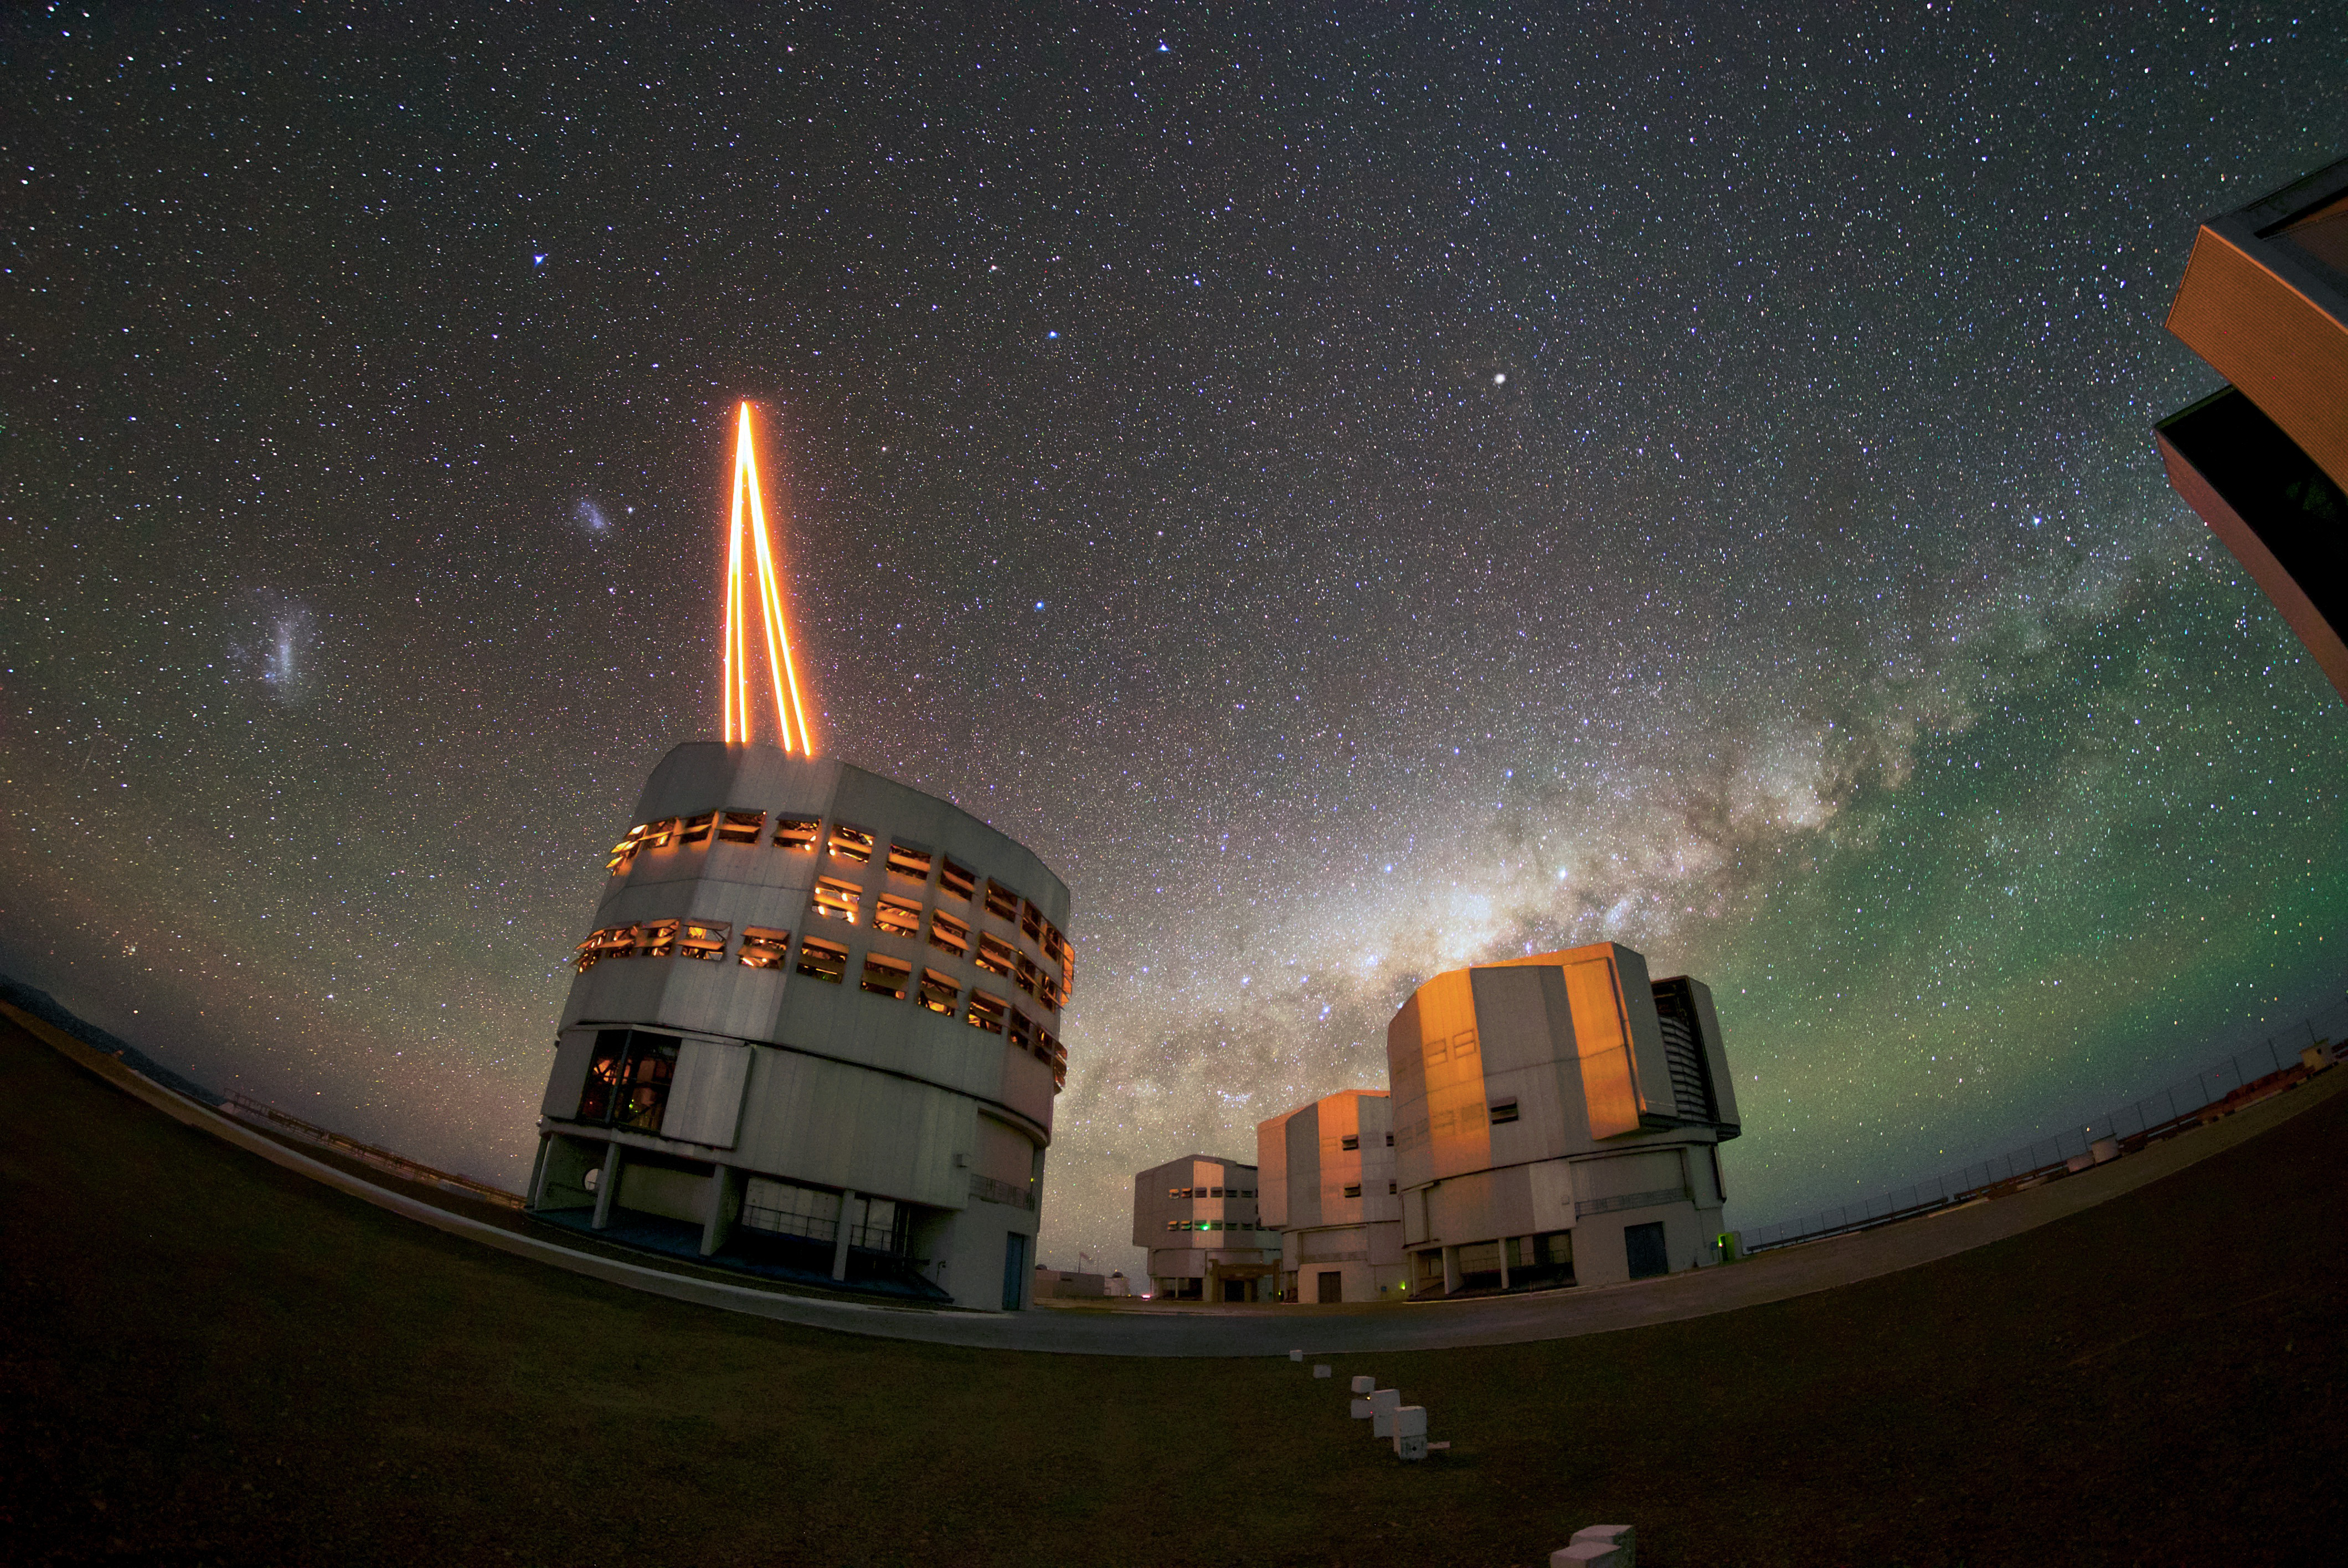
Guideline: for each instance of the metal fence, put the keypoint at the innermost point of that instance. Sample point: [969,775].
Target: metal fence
[2269,1067]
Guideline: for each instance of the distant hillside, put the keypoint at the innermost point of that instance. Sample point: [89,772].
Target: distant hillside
[51,1011]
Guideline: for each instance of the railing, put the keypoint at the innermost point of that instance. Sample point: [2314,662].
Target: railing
[993,1192]
[2273,1065]
[252,1110]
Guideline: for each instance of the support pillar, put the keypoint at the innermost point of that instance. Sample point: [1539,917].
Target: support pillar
[1504,1261]
[725,1183]
[1450,1269]
[839,1237]
[607,1184]
[538,1172]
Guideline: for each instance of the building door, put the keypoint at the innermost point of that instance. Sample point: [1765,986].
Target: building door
[1332,1285]
[1235,1290]
[1014,1271]
[1645,1246]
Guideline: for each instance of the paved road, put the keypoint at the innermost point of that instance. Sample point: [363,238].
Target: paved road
[1152,1330]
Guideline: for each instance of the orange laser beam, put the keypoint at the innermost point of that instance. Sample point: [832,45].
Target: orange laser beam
[790,707]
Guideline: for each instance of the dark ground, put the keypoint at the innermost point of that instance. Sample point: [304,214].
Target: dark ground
[211,1359]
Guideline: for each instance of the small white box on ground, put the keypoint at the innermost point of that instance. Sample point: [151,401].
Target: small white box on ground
[2105,1149]
[1320,1370]
[1622,1537]
[1588,1554]
[1361,1408]
[1411,1448]
[1364,1385]
[1296,1355]
[1410,1421]
[1383,1405]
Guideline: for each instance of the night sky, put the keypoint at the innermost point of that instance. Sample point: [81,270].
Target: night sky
[1356,490]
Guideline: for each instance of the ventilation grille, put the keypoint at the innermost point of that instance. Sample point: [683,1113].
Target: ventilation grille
[1681,1055]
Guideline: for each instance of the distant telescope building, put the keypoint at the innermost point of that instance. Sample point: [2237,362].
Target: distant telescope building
[1328,1187]
[1199,1219]
[1557,1121]
[2264,461]
[814,1028]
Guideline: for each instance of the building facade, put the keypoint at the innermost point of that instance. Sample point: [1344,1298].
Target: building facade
[1557,1121]
[1328,1187]
[2264,460]
[817,1021]
[1198,1218]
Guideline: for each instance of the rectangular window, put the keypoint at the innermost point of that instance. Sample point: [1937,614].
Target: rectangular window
[948,933]
[851,844]
[997,956]
[986,1012]
[1355,1191]
[786,1208]
[886,977]
[697,829]
[656,939]
[1067,971]
[939,992]
[657,835]
[959,880]
[1389,1140]
[704,941]
[1214,1192]
[1173,1224]
[1022,1030]
[1031,921]
[1001,901]
[625,850]
[628,1079]
[834,899]
[763,948]
[822,961]
[898,917]
[741,826]
[1052,942]
[1177,1192]
[615,942]
[1390,1189]
[1350,1141]
[797,832]
[905,860]
[1503,1111]
[1027,976]
[605,1069]
[1047,991]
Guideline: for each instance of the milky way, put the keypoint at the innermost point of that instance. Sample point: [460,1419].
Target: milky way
[1357,493]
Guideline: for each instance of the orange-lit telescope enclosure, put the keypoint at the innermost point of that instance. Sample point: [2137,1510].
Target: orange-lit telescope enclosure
[814,1028]
[749,518]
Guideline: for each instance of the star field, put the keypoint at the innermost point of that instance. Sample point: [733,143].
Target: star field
[1356,492]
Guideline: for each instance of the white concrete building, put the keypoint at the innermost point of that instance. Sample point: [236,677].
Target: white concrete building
[1328,1182]
[1557,1121]
[1198,1216]
[814,1033]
